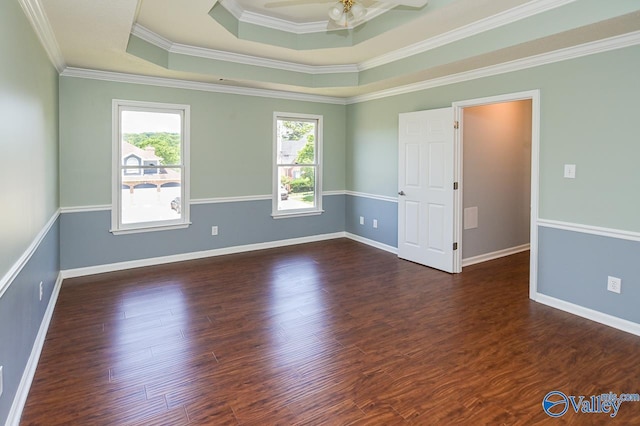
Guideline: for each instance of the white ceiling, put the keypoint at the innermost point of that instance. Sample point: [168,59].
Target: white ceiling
[94,35]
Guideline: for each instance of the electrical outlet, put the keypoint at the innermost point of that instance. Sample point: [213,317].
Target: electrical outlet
[214,230]
[0,380]
[361,220]
[375,223]
[41,292]
[614,284]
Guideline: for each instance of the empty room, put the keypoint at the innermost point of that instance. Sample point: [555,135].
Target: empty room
[297,212]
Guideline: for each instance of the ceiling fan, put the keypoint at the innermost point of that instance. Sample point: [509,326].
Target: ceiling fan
[345,13]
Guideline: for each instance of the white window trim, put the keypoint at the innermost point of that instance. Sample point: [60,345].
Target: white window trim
[283,214]
[117,228]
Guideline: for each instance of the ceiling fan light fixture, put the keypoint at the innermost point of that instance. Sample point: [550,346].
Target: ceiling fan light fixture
[336,12]
[358,11]
[343,20]
[346,13]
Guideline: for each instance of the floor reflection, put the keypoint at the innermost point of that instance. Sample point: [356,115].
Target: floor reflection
[149,339]
[296,301]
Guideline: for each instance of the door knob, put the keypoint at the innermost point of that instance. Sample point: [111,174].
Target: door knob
[401,193]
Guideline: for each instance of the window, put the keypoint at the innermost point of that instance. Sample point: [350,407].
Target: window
[132,161]
[297,174]
[150,166]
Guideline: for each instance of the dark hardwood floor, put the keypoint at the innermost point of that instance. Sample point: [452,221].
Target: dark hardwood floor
[325,333]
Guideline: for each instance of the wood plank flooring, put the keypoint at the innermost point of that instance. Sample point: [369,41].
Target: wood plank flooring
[329,333]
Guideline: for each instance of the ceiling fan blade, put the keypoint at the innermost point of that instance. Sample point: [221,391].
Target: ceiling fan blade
[410,3]
[285,3]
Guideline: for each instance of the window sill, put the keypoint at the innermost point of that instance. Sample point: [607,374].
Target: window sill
[149,229]
[281,215]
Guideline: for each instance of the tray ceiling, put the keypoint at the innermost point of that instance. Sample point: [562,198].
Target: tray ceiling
[399,46]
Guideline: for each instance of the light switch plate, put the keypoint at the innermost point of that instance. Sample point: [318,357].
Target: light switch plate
[570,171]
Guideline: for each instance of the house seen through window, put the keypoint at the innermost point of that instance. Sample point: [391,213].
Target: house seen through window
[150,162]
[297,172]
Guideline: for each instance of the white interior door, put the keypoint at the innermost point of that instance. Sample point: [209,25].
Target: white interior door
[426,195]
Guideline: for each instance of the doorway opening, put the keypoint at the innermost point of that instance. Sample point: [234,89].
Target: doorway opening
[496,165]
[496,180]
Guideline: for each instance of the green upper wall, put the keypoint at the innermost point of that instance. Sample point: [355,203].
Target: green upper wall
[584,105]
[29,129]
[588,107]
[231,139]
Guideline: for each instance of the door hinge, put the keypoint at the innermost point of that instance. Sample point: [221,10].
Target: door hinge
[455,185]
[455,246]
[456,124]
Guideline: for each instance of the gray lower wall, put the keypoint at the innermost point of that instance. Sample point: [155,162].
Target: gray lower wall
[386,212]
[86,240]
[574,266]
[29,148]
[21,313]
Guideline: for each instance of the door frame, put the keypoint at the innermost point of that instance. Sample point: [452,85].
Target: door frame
[458,107]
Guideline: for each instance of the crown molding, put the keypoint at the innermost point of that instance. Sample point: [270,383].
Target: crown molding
[237,58]
[507,17]
[282,24]
[600,46]
[40,23]
[151,37]
[193,85]
[293,27]
[613,43]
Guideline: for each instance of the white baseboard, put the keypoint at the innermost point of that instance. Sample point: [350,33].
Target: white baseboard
[32,363]
[581,311]
[120,266]
[494,255]
[371,243]
[100,269]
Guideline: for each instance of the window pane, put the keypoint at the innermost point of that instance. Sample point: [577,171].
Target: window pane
[296,142]
[151,194]
[150,138]
[297,187]
[151,185]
